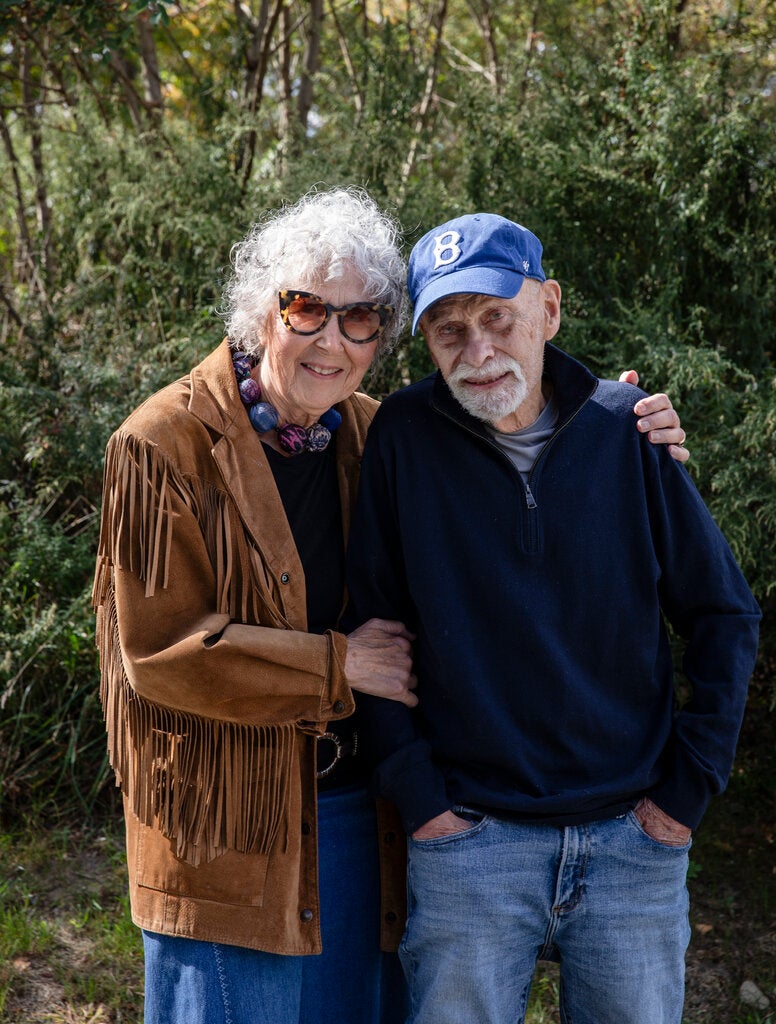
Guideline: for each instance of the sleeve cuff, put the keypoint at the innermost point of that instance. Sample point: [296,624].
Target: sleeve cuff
[411,781]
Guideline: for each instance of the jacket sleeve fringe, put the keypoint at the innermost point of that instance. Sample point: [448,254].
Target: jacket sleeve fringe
[208,785]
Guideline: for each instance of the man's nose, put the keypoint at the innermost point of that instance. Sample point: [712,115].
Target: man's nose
[478,348]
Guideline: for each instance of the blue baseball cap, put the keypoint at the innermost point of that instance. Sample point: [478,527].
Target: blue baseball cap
[480,253]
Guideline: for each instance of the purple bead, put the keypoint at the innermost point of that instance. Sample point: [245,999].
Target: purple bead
[331,419]
[318,437]
[250,391]
[242,365]
[292,439]
[263,417]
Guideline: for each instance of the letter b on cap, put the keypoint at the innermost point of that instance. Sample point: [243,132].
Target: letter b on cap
[446,249]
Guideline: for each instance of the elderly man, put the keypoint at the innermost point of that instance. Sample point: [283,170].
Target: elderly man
[540,550]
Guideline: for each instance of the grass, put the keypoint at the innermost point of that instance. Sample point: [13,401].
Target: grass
[69,953]
[68,949]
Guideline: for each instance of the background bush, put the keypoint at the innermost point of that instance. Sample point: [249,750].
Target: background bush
[638,143]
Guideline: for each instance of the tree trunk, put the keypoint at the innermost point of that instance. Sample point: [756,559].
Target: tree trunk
[483,12]
[424,110]
[24,256]
[256,51]
[358,90]
[310,68]
[674,32]
[124,75]
[43,212]
[147,46]
[285,116]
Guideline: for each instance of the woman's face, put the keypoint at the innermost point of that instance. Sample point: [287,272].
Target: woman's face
[304,375]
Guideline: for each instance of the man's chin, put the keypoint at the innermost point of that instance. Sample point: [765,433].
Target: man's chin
[489,409]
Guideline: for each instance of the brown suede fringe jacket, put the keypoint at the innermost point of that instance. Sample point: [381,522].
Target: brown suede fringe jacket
[213,691]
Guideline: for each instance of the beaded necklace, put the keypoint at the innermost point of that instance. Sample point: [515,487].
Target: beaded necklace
[292,438]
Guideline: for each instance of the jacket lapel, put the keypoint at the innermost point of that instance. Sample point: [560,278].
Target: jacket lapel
[246,474]
[247,477]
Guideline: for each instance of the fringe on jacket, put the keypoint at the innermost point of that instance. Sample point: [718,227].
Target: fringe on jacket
[207,785]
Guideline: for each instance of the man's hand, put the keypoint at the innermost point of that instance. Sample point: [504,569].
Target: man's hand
[660,826]
[446,824]
[659,420]
[379,661]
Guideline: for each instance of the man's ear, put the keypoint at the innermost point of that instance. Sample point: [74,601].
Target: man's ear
[551,295]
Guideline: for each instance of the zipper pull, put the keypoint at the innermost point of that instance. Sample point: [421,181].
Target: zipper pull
[529,498]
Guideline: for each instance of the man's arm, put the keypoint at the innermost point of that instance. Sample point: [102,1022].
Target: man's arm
[404,771]
[705,597]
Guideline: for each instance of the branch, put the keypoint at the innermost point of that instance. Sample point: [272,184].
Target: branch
[484,16]
[10,307]
[358,90]
[421,122]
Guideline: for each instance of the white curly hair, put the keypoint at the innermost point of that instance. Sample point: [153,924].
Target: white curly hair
[317,239]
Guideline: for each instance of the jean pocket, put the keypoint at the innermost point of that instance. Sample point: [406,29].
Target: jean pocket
[634,822]
[478,820]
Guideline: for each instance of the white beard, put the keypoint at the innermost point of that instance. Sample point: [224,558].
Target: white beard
[498,403]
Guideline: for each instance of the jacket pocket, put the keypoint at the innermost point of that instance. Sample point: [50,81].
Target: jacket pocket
[232,878]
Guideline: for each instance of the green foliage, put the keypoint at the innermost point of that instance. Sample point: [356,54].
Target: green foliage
[140,272]
[639,146]
[650,178]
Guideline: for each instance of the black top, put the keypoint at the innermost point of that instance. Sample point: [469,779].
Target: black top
[307,484]
[308,489]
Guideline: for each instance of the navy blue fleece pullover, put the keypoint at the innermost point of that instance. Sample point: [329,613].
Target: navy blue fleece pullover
[546,683]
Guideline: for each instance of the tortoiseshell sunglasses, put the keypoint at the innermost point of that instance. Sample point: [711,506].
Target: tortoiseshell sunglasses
[359,322]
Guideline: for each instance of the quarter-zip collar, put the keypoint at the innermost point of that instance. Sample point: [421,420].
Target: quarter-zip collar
[573,385]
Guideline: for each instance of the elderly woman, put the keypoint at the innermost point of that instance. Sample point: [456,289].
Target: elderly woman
[227,689]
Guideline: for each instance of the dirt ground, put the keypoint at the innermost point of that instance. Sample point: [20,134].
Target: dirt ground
[86,967]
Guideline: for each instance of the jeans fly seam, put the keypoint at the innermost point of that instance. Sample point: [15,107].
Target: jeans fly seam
[581,855]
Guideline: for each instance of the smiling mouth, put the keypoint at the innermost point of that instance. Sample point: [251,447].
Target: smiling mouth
[322,371]
[486,382]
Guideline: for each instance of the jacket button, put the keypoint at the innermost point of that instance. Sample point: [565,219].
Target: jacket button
[391,917]
[389,838]
[285,578]
[306,915]
[306,830]
[339,707]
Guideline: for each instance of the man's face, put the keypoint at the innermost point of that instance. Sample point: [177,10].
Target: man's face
[490,351]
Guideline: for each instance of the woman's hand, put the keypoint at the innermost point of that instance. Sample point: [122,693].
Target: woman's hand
[659,419]
[379,661]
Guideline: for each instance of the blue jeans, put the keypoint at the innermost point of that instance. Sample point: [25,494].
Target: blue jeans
[351,982]
[604,899]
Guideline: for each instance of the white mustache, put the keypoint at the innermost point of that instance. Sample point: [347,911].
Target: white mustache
[497,367]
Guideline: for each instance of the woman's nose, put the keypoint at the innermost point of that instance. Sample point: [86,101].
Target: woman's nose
[330,335]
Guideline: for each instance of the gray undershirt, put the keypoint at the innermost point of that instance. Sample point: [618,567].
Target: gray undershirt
[522,447]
